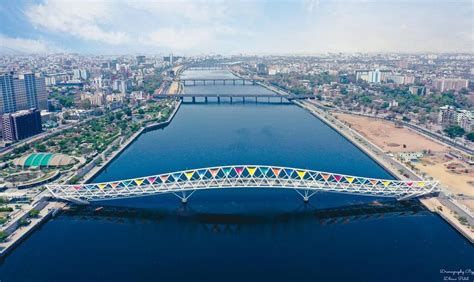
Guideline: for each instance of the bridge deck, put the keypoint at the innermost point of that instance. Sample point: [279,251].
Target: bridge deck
[243,176]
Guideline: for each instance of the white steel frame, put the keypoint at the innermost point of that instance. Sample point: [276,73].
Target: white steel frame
[305,182]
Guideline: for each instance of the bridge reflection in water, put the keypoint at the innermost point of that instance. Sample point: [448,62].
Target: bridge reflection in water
[224,222]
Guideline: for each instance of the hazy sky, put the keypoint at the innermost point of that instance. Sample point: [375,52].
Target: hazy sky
[231,27]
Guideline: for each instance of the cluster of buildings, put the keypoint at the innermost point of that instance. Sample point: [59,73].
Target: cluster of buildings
[67,82]
[380,76]
[445,84]
[22,96]
[450,115]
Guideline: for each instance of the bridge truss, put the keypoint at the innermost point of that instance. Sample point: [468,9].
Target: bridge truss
[184,183]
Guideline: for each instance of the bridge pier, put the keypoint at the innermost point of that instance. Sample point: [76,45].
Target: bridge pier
[306,194]
[218,99]
[205,100]
[184,197]
[234,82]
[194,100]
[214,82]
[194,82]
[231,100]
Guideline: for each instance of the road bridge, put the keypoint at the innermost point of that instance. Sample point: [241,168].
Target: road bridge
[226,96]
[184,183]
[216,81]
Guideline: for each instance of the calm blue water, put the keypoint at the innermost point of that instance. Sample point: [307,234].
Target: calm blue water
[241,235]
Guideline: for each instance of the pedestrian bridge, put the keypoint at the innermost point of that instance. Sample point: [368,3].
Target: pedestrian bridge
[184,183]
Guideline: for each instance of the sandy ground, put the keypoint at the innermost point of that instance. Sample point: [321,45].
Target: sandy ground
[455,175]
[388,137]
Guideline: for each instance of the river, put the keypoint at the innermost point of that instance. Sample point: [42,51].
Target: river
[246,234]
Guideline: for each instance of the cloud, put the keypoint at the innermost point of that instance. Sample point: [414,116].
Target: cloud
[179,38]
[180,24]
[26,46]
[84,19]
[229,26]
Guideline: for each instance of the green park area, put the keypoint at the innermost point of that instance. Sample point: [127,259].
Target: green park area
[92,137]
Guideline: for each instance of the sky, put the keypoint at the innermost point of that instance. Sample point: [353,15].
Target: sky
[236,26]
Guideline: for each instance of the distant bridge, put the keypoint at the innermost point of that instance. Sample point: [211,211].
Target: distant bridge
[305,182]
[231,96]
[216,81]
[226,96]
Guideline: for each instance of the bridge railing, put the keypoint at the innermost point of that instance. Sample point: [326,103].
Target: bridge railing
[243,177]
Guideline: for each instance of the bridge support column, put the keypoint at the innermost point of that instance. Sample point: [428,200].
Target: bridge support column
[184,197]
[194,82]
[194,99]
[234,82]
[205,99]
[306,194]
[218,99]
[214,82]
[231,100]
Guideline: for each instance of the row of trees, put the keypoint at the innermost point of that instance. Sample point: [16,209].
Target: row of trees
[457,131]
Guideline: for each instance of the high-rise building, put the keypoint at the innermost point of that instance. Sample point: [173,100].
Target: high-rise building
[362,75]
[21,92]
[447,115]
[464,119]
[84,74]
[262,69]
[140,60]
[21,125]
[7,94]
[444,84]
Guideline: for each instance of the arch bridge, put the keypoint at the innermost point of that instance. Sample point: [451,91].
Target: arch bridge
[184,183]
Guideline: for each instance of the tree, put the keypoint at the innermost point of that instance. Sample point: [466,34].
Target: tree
[3,235]
[86,104]
[470,136]
[128,112]
[34,213]
[454,131]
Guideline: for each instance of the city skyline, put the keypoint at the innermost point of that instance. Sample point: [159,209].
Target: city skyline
[231,27]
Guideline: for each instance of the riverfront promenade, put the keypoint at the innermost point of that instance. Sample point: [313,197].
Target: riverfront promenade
[18,234]
[447,209]
[96,169]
